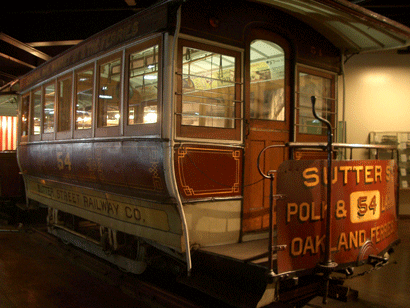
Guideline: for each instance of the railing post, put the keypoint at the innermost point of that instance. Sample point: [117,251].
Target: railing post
[273,245]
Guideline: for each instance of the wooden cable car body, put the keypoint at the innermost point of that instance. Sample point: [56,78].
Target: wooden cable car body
[148,135]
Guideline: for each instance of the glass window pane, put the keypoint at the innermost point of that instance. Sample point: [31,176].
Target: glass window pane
[64,104]
[36,129]
[143,86]
[49,99]
[321,87]
[109,93]
[208,89]
[267,97]
[24,115]
[84,103]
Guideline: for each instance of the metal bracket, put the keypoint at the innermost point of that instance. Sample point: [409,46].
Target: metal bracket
[276,248]
[278,197]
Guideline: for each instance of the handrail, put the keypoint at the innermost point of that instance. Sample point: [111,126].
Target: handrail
[351,146]
[340,145]
[322,146]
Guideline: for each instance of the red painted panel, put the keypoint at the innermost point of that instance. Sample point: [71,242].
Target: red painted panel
[363,211]
[208,171]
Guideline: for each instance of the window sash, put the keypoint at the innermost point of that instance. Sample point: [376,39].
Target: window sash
[322,85]
[209,92]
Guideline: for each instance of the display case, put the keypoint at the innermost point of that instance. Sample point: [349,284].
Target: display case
[402,141]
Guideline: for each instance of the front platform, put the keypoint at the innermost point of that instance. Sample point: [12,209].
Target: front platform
[242,251]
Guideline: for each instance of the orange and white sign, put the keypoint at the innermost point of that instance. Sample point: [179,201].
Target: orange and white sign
[8,133]
[363,211]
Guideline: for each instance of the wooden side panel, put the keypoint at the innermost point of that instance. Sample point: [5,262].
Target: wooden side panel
[205,172]
[255,207]
[143,218]
[131,168]
[256,188]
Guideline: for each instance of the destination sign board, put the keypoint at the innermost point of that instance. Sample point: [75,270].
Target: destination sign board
[363,211]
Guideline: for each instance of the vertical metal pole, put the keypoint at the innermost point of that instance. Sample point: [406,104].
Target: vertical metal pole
[271,273]
[329,195]
[328,265]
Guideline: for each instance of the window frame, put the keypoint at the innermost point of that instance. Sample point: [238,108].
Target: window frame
[25,137]
[66,134]
[109,131]
[285,79]
[35,137]
[85,133]
[303,137]
[262,124]
[123,128]
[50,135]
[143,129]
[206,132]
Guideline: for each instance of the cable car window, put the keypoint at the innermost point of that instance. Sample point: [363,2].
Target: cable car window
[267,65]
[36,118]
[143,86]
[319,84]
[49,100]
[24,115]
[109,93]
[84,98]
[208,89]
[64,104]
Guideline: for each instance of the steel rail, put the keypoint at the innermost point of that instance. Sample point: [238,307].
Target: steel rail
[132,285]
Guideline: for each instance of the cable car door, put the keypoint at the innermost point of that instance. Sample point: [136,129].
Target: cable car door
[267,120]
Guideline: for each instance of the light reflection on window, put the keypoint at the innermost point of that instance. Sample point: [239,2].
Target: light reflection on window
[323,88]
[85,90]
[49,99]
[267,96]
[36,128]
[24,115]
[208,89]
[143,86]
[64,104]
[109,93]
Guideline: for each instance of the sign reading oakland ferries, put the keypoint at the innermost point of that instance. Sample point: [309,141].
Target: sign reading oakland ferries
[363,211]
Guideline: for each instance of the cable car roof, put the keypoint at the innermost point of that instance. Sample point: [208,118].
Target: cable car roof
[348,26]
